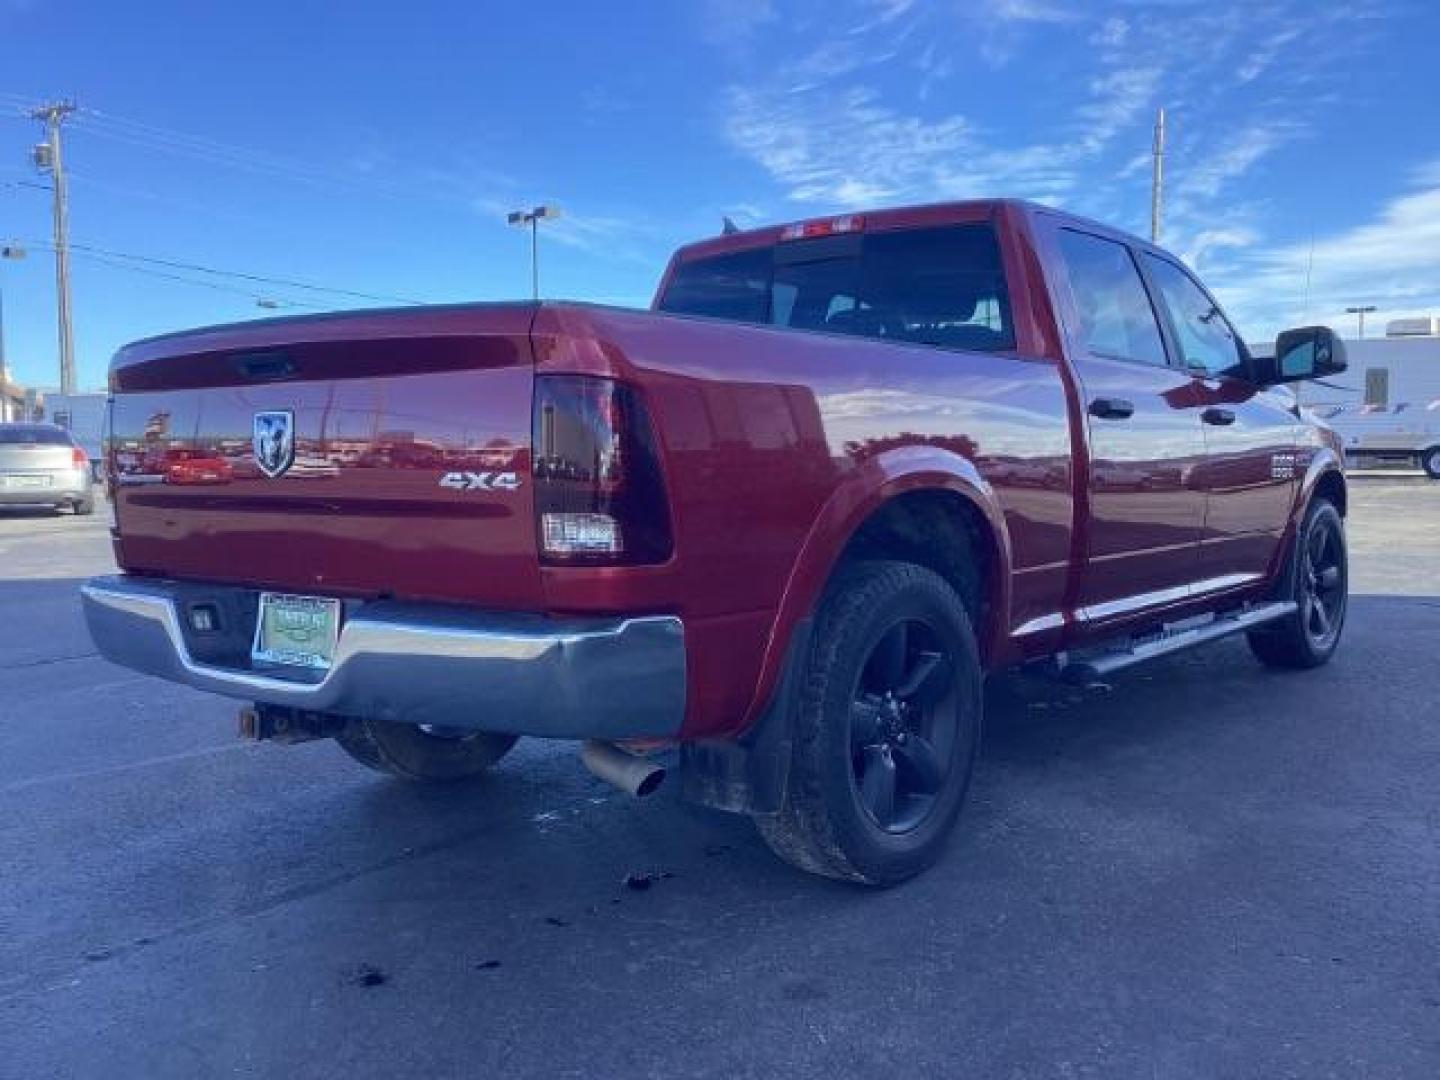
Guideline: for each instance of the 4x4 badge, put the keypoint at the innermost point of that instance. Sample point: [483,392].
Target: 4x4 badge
[480,481]
[274,441]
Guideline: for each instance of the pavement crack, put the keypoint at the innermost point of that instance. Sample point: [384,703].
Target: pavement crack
[49,660]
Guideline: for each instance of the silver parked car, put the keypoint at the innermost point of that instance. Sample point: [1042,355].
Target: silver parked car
[40,465]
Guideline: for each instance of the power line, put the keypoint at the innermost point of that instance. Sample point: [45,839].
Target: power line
[215,285]
[156,137]
[262,279]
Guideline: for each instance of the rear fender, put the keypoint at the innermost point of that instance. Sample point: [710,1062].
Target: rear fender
[864,490]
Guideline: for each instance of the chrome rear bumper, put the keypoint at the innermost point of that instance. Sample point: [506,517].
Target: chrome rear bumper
[431,664]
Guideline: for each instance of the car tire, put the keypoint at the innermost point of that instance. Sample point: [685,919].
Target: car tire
[1430,462]
[421,753]
[85,507]
[1317,578]
[886,728]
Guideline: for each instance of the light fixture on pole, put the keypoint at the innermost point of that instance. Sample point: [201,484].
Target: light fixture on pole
[7,251]
[533,218]
[1361,312]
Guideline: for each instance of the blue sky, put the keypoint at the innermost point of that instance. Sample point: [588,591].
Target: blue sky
[377,150]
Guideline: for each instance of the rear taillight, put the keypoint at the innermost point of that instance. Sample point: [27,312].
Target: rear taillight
[599,492]
[78,458]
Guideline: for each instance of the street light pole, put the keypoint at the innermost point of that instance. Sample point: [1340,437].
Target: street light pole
[12,252]
[7,251]
[533,218]
[1157,175]
[1361,312]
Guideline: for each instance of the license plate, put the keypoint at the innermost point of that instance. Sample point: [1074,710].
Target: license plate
[297,631]
[25,481]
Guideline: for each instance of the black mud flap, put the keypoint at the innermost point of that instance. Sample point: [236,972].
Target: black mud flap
[749,775]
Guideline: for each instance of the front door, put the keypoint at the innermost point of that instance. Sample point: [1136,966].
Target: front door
[1146,443]
[1249,476]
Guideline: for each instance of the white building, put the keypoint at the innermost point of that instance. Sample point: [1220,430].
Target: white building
[83,415]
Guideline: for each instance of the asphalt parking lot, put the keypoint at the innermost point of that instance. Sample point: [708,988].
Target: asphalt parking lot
[1210,871]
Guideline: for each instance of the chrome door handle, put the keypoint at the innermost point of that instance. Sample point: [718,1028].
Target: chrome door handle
[1218,417]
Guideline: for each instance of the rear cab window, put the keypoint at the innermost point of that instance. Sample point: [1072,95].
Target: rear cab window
[33,435]
[942,286]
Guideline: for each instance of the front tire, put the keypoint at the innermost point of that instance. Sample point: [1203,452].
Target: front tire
[886,728]
[421,753]
[1317,579]
[1430,462]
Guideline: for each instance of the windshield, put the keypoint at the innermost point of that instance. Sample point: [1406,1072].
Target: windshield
[940,286]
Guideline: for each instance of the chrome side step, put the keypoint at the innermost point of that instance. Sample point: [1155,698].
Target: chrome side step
[1093,667]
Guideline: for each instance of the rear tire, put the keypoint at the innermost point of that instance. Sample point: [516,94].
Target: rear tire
[1317,579]
[413,753]
[1430,462]
[85,507]
[886,728]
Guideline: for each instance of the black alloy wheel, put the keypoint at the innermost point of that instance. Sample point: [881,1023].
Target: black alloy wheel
[885,728]
[1321,590]
[903,722]
[1316,578]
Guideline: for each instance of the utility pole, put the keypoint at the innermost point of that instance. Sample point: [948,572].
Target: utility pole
[1157,175]
[48,160]
[1361,312]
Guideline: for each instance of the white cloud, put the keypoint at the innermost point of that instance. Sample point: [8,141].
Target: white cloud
[1031,11]
[1111,34]
[1207,177]
[841,148]
[1117,99]
[1392,261]
[732,23]
[834,128]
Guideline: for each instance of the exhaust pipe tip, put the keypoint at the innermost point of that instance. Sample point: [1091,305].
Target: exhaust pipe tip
[631,773]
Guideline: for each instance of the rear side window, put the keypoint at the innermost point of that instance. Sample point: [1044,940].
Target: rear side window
[942,286]
[1116,319]
[1206,339]
[735,286]
[33,435]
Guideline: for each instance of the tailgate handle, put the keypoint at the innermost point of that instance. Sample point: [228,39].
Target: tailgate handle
[266,366]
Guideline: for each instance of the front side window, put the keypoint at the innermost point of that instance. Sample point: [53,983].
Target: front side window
[1116,320]
[941,286]
[1206,341]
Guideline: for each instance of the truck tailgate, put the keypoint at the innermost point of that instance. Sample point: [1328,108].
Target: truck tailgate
[361,455]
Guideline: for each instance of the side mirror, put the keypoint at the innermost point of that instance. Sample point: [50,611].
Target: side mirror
[1311,352]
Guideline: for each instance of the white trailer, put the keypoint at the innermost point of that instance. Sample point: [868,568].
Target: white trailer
[1386,406]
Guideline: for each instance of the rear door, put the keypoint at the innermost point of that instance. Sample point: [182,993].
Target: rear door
[1146,509]
[1249,474]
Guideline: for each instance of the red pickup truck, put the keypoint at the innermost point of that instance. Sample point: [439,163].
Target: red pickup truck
[784,523]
